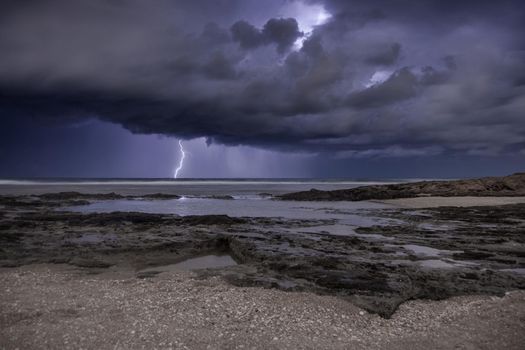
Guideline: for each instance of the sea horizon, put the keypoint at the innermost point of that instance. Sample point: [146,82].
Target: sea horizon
[206,180]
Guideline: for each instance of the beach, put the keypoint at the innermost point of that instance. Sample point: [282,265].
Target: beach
[279,174]
[55,306]
[229,265]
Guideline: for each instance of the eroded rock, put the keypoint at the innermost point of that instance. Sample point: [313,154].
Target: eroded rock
[513,185]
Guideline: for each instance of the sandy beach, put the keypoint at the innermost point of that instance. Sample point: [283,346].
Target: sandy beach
[57,306]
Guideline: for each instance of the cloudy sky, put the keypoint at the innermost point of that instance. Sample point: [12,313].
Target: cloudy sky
[274,88]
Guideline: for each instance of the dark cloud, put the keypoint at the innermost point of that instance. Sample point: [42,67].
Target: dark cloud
[386,55]
[247,35]
[219,68]
[378,78]
[283,32]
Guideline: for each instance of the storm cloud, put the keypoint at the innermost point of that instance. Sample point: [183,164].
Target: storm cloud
[280,31]
[388,78]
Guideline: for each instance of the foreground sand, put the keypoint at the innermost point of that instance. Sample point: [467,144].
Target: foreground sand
[57,306]
[434,202]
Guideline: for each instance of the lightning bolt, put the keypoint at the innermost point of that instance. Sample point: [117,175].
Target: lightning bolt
[181,160]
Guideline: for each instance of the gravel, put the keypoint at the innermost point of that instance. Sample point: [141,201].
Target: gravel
[59,306]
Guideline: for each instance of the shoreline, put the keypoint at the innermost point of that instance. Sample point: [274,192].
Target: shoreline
[397,278]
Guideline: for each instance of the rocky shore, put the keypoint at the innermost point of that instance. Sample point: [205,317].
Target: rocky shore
[512,185]
[435,253]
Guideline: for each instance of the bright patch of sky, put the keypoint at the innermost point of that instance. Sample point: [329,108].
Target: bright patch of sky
[378,77]
[308,16]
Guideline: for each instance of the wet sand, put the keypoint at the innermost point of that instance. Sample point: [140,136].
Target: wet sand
[58,306]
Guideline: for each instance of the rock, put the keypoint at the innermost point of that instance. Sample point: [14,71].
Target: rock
[71,196]
[210,220]
[513,185]
[357,269]
[60,196]
[159,196]
[472,255]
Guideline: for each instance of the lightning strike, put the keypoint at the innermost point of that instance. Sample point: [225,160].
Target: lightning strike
[181,161]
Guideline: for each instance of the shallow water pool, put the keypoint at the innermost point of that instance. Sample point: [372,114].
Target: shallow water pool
[203,262]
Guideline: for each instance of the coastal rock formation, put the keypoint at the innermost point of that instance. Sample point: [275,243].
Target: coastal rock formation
[61,196]
[513,185]
[431,254]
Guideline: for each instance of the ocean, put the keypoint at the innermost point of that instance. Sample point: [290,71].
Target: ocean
[250,197]
[183,187]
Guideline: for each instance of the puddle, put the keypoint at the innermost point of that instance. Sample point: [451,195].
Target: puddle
[202,262]
[418,213]
[339,230]
[93,238]
[436,227]
[446,264]
[398,262]
[433,263]
[286,284]
[426,251]
[519,271]
[436,264]
[374,236]
[488,225]
[244,206]
[396,253]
